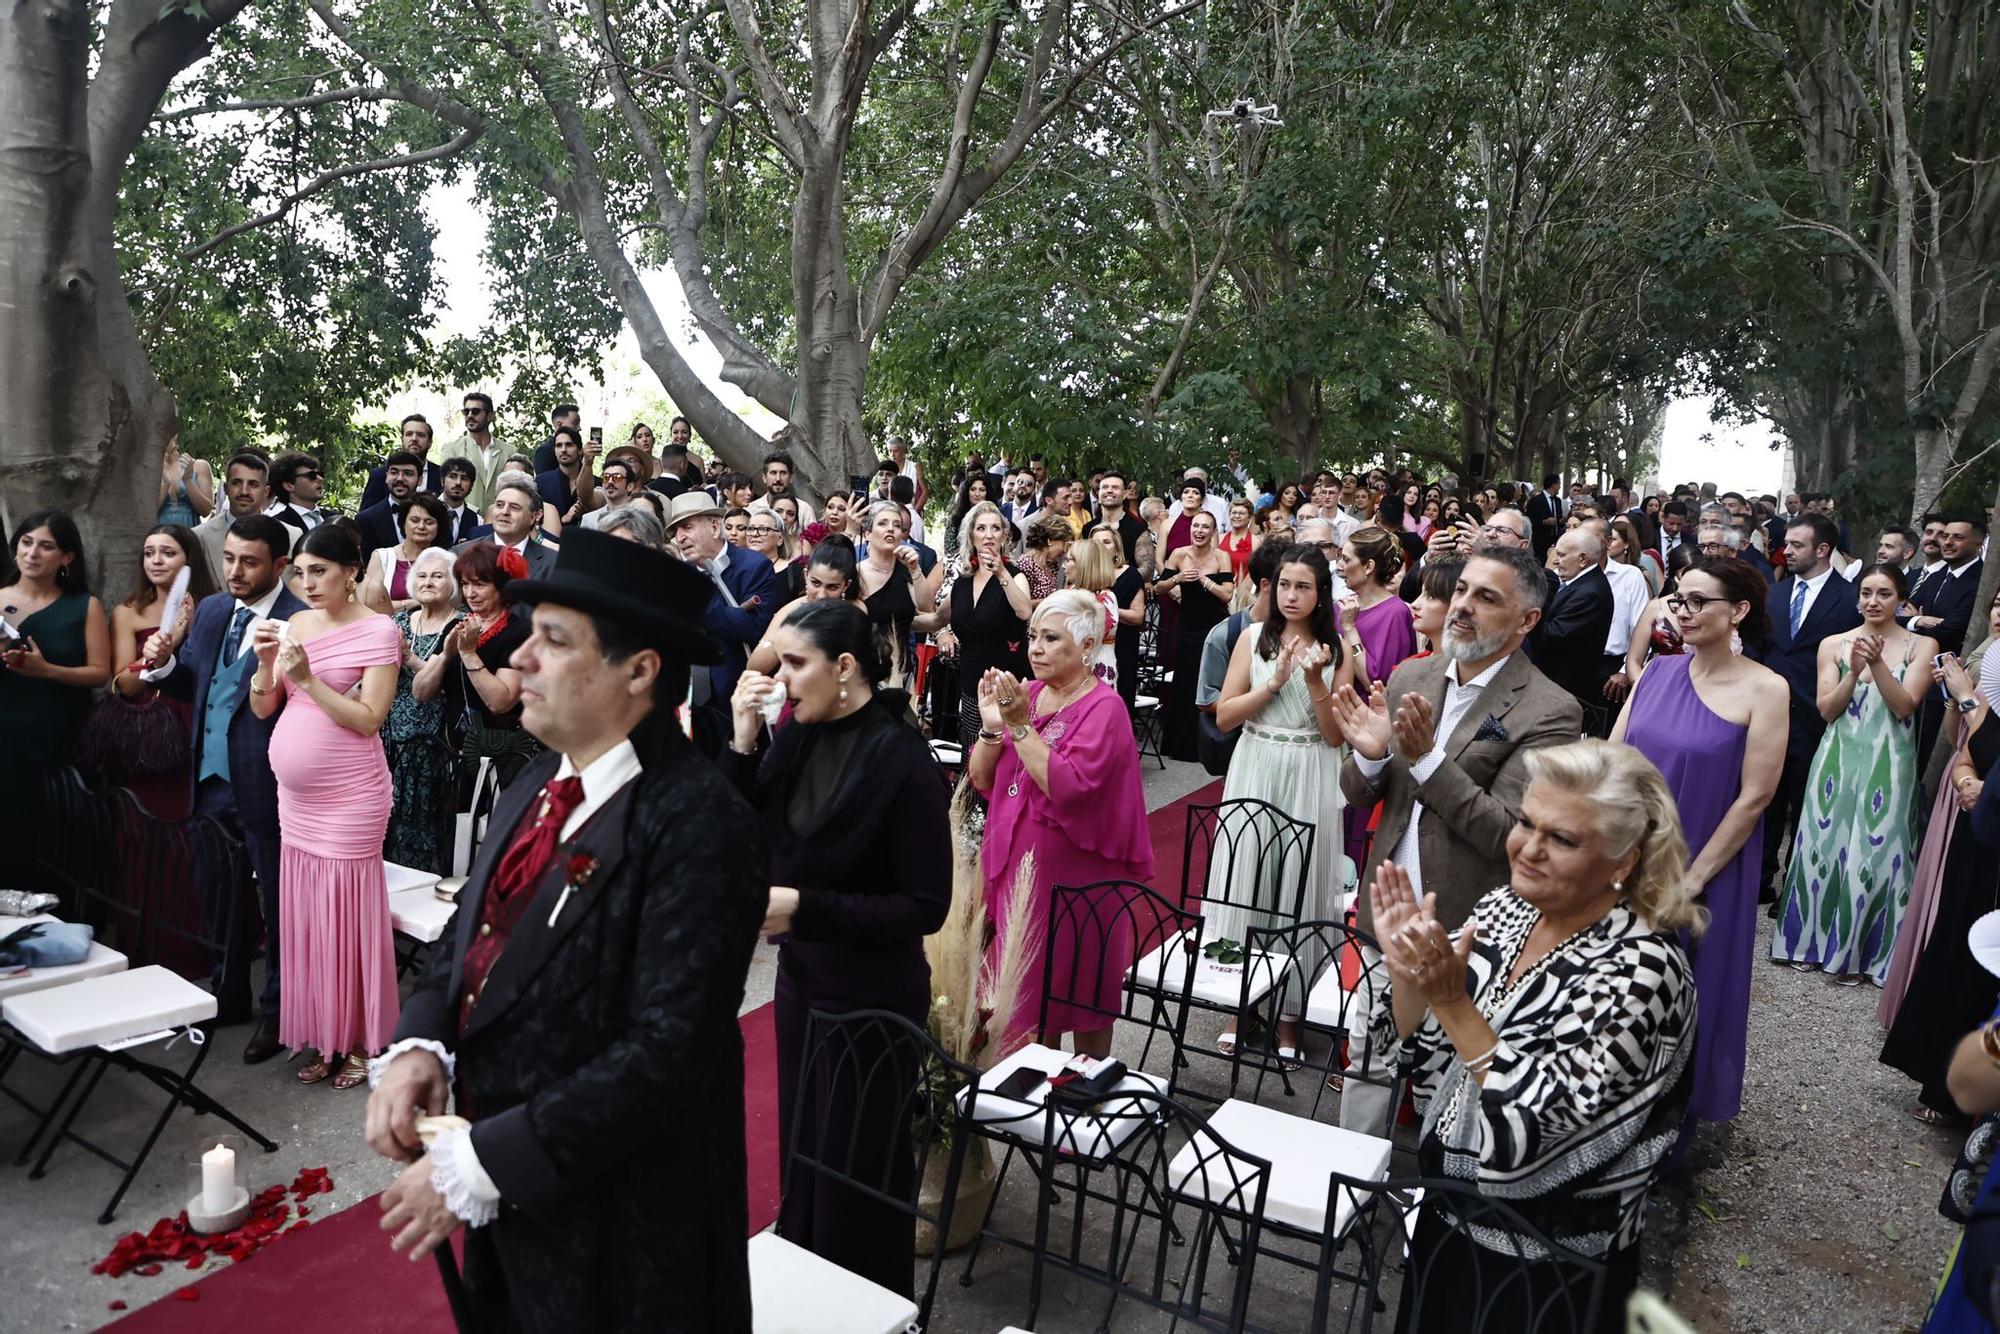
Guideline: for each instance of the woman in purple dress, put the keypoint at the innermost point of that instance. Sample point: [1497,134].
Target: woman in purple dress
[1714,723]
[1056,761]
[1381,631]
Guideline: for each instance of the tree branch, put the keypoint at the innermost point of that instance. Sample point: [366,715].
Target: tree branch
[463,140]
[358,94]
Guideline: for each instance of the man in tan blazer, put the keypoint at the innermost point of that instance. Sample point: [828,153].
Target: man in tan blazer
[1444,748]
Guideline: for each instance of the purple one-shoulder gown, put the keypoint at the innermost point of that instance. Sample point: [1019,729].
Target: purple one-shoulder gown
[1700,754]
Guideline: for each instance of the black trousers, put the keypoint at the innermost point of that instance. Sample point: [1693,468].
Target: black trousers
[230,911]
[1781,818]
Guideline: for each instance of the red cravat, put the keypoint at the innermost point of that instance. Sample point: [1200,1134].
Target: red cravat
[535,842]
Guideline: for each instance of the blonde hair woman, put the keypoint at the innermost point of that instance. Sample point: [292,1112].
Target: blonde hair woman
[1090,572]
[1551,1034]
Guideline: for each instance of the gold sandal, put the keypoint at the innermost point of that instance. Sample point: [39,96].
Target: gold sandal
[353,1072]
[314,1070]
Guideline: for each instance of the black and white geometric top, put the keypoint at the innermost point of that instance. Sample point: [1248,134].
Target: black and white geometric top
[1585,1095]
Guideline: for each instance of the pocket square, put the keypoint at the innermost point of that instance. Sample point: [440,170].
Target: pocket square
[1491,730]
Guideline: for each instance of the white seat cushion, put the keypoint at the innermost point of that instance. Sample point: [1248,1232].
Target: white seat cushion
[948,752]
[1216,983]
[109,1009]
[420,914]
[404,878]
[1329,1000]
[1079,1134]
[1301,1153]
[1145,702]
[793,1291]
[102,959]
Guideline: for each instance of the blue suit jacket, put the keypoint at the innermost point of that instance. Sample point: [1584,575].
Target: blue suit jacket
[1834,612]
[378,526]
[738,629]
[249,736]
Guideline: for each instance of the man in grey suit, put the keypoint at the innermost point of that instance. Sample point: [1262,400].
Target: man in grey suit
[516,505]
[247,487]
[1444,749]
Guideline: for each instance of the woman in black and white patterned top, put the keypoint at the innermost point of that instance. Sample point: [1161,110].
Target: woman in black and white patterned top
[1550,1039]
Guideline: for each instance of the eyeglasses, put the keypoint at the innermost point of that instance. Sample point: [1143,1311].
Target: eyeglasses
[1714,548]
[1682,604]
[310,474]
[760,531]
[1497,530]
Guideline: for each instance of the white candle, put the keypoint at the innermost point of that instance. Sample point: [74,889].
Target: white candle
[218,1180]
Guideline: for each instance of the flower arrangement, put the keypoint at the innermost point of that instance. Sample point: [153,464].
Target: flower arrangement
[976,978]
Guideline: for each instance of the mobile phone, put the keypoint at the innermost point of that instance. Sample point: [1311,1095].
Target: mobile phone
[597,435]
[1021,1083]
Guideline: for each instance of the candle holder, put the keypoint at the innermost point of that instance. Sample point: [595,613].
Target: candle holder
[219,1203]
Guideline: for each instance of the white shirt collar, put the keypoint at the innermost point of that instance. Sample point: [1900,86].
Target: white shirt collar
[1479,682]
[1932,567]
[1818,581]
[603,778]
[261,608]
[1963,568]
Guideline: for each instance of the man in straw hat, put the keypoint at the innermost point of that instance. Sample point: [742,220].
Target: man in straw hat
[746,597]
[581,1013]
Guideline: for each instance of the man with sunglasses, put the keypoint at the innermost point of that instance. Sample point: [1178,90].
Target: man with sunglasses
[479,447]
[296,487]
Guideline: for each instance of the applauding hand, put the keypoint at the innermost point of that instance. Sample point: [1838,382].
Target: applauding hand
[1364,722]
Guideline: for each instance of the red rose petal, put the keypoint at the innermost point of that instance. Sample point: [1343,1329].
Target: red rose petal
[147,1271]
[188,1294]
[118,1305]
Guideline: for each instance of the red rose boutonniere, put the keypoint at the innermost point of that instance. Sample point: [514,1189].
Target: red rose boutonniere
[578,867]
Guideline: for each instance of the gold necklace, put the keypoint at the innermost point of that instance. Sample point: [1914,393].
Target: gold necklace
[1071,698]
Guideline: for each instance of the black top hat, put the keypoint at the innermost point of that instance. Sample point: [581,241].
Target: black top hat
[644,590]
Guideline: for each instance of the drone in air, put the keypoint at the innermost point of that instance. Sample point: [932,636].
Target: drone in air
[1245,111]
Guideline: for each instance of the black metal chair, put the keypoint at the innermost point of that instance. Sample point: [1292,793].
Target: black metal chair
[1251,858]
[1097,924]
[1142,1223]
[1459,1260]
[1314,989]
[168,919]
[877,1101]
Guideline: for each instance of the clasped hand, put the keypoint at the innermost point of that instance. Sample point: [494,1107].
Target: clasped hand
[1416,949]
[1369,728]
[1003,700]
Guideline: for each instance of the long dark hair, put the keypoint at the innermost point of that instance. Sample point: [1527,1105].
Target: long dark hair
[1741,582]
[1321,623]
[72,578]
[835,628]
[964,501]
[200,581]
[836,552]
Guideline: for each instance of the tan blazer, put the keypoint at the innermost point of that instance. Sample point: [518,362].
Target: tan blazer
[485,472]
[1473,800]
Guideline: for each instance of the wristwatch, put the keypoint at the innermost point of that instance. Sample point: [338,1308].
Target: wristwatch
[1019,731]
[1966,705]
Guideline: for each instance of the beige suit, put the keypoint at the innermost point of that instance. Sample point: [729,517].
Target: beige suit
[211,531]
[1473,799]
[485,473]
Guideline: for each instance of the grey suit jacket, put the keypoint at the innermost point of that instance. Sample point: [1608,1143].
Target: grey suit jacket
[541,558]
[1473,800]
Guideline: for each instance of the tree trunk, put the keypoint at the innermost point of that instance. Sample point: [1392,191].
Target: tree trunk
[76,436]
[1935,446]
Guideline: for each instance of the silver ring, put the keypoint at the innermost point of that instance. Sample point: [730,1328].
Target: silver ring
[1007,701]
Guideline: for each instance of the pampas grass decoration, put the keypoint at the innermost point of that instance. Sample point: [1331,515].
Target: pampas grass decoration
[972,984]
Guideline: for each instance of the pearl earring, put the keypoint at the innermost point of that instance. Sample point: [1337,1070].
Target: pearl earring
[1617,886]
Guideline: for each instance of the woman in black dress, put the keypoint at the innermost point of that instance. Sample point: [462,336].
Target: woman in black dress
[861,873]
[1128,590]
[1950,991]
[987,612]
[1199,577]
[482,694]
[893,586]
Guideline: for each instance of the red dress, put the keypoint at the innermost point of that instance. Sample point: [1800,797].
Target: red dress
[1238,553]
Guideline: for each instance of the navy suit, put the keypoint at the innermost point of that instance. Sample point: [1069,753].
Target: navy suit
[1796,658]
[1568,642]
[377,489]
[378,526]
[246,803]
[738,629]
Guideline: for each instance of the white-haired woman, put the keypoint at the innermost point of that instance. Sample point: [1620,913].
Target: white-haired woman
[1550,1039]
[420,808]
[635,522]
[1056,761]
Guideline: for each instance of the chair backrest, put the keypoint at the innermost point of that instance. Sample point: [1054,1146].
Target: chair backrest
[1334,975]
[1454,1257]
[1247,854]
[1095,933]
[878,1106]
[1142,1223]
[77,856]
[162,866]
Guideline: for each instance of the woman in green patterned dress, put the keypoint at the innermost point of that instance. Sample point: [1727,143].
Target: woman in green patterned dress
[1854,858]
[420,818]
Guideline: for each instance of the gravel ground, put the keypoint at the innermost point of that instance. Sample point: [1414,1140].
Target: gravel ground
[1817,1209]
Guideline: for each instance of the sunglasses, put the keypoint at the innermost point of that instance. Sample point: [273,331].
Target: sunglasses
[309,474]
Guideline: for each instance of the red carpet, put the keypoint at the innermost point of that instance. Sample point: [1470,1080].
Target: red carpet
[344,1261]
[339,1275]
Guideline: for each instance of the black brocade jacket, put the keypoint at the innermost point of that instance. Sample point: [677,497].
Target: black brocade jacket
[603,1063]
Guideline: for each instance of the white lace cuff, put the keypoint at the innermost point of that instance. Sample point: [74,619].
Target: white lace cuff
[456,1174]
[379,1065]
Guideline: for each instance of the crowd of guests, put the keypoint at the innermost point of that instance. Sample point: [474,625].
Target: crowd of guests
[1567,742]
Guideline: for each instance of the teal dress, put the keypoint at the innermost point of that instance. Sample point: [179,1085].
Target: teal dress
[43,720]
[420,765]
[1853,858]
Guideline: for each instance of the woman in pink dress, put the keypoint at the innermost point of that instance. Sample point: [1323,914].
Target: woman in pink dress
[337,662]
[1058,765]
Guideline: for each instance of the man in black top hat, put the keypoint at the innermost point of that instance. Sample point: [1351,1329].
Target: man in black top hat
[582,1012]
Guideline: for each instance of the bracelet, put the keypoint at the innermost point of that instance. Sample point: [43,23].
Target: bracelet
[1479,1065]
[985,735]
[255,689]
[472,666]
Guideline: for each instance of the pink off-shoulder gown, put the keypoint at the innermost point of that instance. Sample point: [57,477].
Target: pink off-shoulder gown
[336,952]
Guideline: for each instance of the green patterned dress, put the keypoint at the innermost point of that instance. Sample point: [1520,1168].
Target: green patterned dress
[1853,858]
